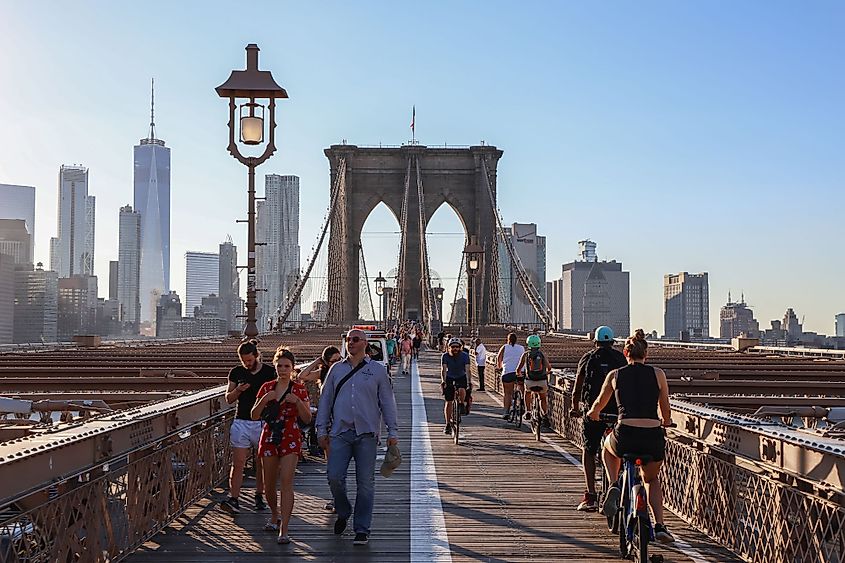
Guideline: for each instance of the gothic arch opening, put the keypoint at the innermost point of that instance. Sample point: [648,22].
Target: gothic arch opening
[380,239]
[445,238]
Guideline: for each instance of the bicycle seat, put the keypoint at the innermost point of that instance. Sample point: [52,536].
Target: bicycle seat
[642,457]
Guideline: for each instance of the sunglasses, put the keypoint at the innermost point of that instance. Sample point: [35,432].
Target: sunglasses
[354,339]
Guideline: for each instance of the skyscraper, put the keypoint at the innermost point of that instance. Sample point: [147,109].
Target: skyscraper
[72,251]
[201,278]
[7,298]
[735,318]
[114,276]
[168,313]
[77,307]
[15,241]
[229,288]
[686,299]
[129,269]
[531,250]
[18,202]
[592,293]
[277,262]
[839,324]
[152,201]
[36,305]
[793,328]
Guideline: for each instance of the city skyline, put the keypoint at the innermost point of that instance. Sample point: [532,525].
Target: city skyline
[680,115]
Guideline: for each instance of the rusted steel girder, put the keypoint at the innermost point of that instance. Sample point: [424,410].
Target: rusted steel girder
[16,385]
[755,401]
[29,464]
[801,454]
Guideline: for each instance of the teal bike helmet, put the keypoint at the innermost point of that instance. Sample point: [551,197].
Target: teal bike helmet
[533,341]
[604,334]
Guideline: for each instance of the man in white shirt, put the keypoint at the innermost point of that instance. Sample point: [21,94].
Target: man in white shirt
[481,361]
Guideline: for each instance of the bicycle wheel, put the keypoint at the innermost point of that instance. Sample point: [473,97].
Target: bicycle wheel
[622,528]
[519,411]
[456,420]
[605,485]
[641,537]
[535,417]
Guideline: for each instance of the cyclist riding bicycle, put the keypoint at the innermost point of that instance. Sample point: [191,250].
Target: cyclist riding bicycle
[507,360]
[640,390]
[593,368]
[537,369]
[454,377]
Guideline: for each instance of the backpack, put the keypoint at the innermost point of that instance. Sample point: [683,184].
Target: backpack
[536,366]
[601,361]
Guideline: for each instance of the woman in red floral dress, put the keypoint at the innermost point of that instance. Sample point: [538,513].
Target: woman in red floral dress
[280,403]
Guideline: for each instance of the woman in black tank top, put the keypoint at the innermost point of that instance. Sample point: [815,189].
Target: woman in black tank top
[642,396]
[637,392]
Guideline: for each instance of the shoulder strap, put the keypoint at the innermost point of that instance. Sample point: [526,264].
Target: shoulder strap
[344,380]
[285,394]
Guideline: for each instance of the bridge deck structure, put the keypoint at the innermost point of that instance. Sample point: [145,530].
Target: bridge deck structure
[498,496]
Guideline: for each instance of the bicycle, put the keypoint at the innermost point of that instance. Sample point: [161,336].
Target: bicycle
[517,409]
[536,414]
[632,519]
[456,418]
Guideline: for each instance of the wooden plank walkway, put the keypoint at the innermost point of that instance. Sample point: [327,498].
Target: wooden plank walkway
[502,496]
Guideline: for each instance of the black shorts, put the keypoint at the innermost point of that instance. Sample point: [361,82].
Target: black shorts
[593,431]
[451,385]
[509,377]
[634,440]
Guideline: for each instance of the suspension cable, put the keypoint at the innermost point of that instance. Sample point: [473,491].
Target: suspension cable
[397,304]
[461,279]
[294,296]
[534,297]
[366,281]
[425,288]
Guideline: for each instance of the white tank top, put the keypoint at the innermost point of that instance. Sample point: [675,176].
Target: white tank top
[511,357]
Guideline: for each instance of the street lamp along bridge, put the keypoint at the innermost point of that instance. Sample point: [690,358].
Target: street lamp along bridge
[247,86]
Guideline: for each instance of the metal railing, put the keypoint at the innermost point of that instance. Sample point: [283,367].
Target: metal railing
[781,503]
[109,510]
[97,490]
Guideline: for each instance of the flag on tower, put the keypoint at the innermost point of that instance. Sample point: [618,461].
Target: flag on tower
[413,117]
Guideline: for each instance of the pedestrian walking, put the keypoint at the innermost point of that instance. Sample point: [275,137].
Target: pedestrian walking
[406,350]
[356,396]
[281,404]
[245,380]
[480,361]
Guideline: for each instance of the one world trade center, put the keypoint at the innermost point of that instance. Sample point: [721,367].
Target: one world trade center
[152,201]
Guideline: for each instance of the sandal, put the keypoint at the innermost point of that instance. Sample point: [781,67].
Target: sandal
[271,526]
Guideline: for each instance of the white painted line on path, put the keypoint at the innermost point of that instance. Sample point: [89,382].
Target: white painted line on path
[565,454]
[429,540]
[688,550]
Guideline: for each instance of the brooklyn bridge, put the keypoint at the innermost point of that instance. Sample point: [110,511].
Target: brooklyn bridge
[128,455]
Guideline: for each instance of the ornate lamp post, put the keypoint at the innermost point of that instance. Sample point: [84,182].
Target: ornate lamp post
[474,257]
[386,299]
[438,296]
[243,88]
[380,281]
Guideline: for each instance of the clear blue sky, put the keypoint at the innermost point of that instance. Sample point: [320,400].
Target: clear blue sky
[677,135]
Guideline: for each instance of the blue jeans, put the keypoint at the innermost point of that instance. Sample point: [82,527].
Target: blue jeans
[345,447]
